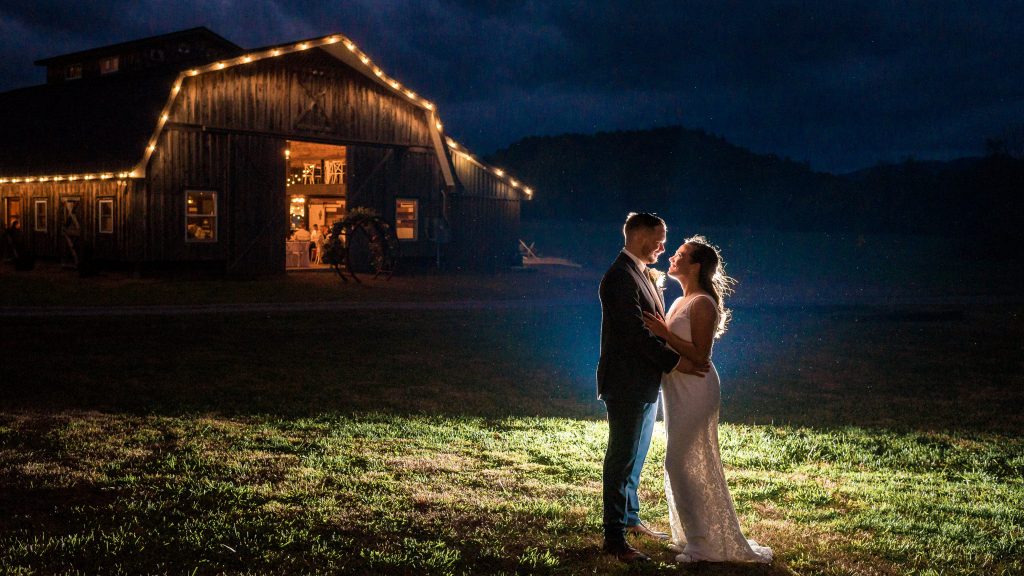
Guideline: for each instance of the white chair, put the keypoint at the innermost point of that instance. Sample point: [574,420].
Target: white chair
[335,171]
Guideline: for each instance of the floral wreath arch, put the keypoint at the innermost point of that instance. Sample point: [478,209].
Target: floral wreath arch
[380,236]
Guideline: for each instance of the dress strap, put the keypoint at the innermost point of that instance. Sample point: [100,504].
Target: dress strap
[695,298]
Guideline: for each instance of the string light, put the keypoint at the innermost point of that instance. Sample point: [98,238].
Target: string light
[164,117]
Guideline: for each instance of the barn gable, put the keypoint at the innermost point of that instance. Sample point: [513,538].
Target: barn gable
[226,127]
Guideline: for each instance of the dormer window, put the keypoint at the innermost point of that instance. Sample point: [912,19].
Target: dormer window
[73,72]
[110,65]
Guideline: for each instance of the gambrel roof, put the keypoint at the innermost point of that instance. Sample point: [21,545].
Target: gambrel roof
[111,124]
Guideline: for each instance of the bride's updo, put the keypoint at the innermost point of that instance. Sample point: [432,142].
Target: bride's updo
[713,278]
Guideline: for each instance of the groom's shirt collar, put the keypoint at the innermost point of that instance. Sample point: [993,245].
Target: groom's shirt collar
[640,264]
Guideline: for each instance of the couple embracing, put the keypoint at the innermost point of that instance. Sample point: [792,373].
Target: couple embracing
[644,350]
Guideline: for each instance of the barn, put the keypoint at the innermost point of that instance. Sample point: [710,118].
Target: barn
[186,150]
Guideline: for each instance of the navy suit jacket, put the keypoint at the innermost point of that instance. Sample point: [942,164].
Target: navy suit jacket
[633,359]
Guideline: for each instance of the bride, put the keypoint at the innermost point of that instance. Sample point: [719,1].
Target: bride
[700,508]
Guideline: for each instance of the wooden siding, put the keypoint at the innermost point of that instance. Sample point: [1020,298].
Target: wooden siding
[226,133]
[307,94]
[484,218]
[248,174]
[50,244]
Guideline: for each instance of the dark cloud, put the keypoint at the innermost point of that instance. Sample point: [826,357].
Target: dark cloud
[840,85]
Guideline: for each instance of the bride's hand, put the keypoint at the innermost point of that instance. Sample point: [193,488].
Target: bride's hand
[656,324]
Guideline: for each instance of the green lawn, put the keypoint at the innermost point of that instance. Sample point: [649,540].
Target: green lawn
[856,440]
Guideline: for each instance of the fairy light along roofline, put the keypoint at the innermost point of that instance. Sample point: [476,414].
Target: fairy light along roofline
[85,176]
[461,150]
[338,46]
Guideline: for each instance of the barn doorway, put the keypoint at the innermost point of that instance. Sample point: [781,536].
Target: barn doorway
[317,188]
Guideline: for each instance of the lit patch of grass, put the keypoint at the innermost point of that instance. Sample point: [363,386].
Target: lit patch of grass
[432,442]
[376,493]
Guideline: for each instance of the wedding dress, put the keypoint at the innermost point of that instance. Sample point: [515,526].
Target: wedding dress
[700,508]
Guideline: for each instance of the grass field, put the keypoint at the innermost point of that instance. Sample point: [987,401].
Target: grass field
[857,439]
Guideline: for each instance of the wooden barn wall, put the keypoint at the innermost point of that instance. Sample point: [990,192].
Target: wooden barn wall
[484,219]
[227,133]
[89,242]
[379,176]
[307,94]
[247,172]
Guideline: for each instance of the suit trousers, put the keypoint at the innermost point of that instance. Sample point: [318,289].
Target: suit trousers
[630,426]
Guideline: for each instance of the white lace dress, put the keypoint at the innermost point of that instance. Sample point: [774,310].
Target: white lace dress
[700,508]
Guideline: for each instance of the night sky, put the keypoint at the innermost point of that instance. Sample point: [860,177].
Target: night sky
[839,85]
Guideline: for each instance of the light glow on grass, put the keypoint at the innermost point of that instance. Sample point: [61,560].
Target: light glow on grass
[382,493]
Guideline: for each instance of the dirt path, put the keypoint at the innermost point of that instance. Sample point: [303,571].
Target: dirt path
[275,307]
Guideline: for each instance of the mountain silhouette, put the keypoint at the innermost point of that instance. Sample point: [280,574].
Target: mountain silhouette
[699,177]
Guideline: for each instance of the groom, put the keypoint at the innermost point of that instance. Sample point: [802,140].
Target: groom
[629,374]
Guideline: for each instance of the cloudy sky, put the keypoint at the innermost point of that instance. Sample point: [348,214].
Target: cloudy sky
[841,85]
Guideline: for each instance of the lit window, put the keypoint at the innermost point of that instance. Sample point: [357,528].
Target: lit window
[40,215]
[73,72]
[407,214]
[110,65]
[200,216]
[106,216]
[71,225]
[13,210]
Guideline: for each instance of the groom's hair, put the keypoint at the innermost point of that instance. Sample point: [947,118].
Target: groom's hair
[637,220]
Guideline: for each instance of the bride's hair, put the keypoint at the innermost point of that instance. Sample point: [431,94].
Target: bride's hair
[713,278]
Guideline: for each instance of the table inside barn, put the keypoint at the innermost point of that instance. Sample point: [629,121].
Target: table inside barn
[296,254]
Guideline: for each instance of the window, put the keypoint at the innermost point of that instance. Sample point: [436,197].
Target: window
[70,226]
[12,212]
[40,215]
[110,65]
[106,216]
[407,213]
[200,216]
[73,72]
[156,55]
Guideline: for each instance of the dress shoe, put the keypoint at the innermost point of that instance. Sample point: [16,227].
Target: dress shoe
[625,553]
[641,529]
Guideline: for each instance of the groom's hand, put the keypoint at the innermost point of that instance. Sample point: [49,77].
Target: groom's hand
[687,366]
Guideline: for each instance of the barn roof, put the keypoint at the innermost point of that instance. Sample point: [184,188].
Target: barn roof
[101,124]
[91,125]
[199,32]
